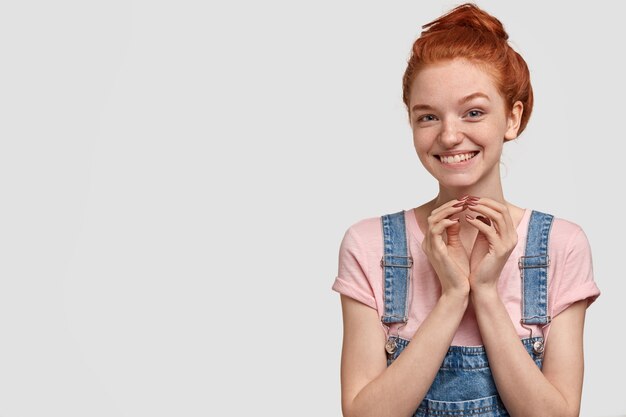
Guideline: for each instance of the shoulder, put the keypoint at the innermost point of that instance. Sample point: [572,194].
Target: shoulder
[572,277]
[561,230]
[365,233]
[565,234]
[368,231]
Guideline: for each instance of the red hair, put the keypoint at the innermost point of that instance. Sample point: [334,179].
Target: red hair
[469,32]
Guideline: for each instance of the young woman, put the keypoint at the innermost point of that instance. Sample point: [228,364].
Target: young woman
[447,307]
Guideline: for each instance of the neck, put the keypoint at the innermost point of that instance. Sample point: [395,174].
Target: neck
[492,191]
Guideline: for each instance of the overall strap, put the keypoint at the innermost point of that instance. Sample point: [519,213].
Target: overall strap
[534,270]
[396,264]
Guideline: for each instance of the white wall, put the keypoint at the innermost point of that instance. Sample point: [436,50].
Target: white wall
[176,177]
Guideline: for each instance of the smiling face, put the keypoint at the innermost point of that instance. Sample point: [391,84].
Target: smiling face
[460,122]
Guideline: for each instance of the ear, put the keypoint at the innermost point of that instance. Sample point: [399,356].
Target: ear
[513,121]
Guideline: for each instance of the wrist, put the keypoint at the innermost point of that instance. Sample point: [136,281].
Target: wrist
[455,296]
[484,292]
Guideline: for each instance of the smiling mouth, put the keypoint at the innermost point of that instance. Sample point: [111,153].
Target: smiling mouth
[462,157]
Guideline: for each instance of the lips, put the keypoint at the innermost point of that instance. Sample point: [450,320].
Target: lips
[457,158]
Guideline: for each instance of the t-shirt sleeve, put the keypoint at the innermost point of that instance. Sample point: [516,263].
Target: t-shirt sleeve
[352,277]
[577,282]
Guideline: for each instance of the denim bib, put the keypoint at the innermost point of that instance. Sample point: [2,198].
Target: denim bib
[464,385]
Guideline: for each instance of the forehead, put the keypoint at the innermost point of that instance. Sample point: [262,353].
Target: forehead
[451,80]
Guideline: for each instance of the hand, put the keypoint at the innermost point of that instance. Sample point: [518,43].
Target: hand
[448,257]
[494,243]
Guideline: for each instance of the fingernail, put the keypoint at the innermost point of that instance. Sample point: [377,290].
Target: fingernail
[484,220]
[456,219]
[474,198]
[464,197]
[471,203]
[462,203]
[468,217]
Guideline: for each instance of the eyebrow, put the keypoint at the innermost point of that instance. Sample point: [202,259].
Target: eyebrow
[461,101]
[473,96]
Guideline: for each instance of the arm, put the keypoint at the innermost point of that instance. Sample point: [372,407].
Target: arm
[524,389]
[369,387]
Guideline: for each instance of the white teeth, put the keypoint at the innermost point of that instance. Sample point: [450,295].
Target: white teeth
[457,158]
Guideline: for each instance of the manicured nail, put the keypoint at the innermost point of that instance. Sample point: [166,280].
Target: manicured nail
[471,203]
[468,217]
[484,220]
[464,197]
[461,204]
[456,219]
[473,198]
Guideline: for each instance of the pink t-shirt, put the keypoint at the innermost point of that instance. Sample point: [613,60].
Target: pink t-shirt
[360,276]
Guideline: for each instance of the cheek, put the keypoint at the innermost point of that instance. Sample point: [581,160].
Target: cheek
[420,150]
[421,142]
[488,137]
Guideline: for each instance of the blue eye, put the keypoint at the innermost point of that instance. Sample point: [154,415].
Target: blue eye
[426,118]
[475,113]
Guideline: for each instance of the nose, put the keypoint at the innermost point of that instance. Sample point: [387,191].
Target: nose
[450,135]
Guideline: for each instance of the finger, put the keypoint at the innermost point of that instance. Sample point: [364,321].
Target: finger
[443,224]
[484,220]
[453,237]
[489,232]
[459,201]
[480,248]
[443,212]
[437,224]
[497,218]
[498,207]
[434,235]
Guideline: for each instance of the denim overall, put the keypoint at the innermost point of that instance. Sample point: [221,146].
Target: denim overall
[464,385]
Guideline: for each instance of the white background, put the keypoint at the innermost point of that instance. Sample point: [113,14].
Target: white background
[176,177]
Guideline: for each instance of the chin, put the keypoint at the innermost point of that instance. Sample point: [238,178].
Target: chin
[457,182]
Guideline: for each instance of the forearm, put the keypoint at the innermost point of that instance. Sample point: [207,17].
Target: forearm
[400,388]
[521,384]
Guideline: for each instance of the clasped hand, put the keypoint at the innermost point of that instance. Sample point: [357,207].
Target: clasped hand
[494,243]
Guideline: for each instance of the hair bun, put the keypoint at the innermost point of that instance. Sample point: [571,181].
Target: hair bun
[467,32]
[469,16]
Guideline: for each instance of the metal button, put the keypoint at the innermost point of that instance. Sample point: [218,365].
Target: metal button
[538,347]
[391,346]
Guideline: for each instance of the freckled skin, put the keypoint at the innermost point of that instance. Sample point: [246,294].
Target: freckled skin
[480,124]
